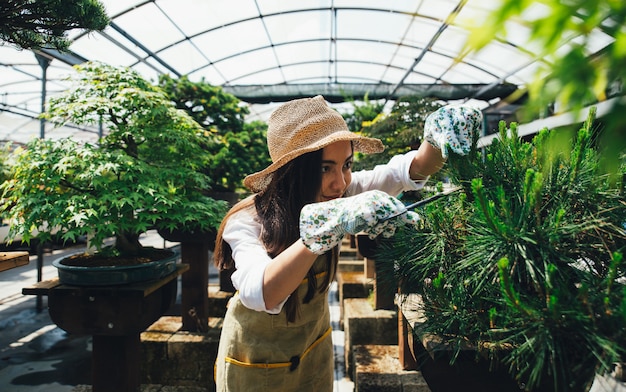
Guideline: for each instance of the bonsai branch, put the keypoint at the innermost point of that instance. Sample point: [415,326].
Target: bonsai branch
[67,184]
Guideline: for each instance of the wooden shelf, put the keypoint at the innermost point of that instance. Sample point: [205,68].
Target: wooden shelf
[139,290]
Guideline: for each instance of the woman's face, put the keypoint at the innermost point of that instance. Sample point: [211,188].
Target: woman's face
[336,170]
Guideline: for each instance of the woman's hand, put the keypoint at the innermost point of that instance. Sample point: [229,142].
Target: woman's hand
[323,225]
[453,128]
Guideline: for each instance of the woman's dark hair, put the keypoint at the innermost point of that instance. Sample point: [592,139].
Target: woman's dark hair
[278,207]
[292,187]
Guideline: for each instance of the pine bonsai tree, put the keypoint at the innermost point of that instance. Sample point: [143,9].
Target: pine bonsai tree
[29,24]
[527,263]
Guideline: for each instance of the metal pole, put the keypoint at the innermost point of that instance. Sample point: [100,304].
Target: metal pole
[39,300]
[44,62]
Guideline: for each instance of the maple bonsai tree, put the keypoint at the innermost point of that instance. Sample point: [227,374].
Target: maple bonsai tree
[144,173]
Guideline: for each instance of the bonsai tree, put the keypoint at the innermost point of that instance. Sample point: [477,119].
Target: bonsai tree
[527,264]
[29,24]
[239,148]
[5,162]
[145,173]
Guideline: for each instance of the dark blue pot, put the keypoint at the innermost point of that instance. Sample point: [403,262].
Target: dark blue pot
[115,275]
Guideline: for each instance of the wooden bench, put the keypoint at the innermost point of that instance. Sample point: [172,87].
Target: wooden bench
[115,316]
[10,260]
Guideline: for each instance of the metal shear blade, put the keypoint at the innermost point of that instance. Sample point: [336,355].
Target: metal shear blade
[423,202]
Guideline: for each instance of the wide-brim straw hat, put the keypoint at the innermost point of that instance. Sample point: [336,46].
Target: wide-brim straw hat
[301,126]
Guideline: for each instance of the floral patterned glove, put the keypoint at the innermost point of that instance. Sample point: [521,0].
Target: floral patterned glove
[452,127]
[323,225]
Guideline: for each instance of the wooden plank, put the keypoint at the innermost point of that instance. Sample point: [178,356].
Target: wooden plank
[154,285]
[41,288]
[116,363]
[410,306]
[405,344]
[135,290]
[410,317]
[10,260]
[194,298]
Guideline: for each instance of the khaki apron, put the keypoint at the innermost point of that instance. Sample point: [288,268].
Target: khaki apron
[262,352]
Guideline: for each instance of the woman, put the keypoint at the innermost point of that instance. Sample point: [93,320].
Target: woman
[283,240]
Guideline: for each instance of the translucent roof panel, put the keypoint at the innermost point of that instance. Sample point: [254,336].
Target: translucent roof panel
[268,51]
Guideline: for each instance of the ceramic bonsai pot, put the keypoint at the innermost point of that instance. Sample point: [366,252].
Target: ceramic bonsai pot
[110,275]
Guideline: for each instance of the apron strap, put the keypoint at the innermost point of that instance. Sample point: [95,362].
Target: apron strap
[293,361]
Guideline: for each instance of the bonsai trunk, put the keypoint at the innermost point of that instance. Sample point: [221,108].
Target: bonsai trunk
[128,243]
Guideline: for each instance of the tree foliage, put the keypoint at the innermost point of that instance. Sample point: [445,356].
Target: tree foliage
[239,148]
[30,24]
[570,77]
[362,113]
[528,258]
[209,105]
[145,173]
[5,162]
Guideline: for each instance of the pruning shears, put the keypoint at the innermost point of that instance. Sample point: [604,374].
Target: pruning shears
[424,202]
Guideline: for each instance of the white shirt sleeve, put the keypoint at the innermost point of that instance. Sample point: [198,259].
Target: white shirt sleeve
[393,177]
[242,232]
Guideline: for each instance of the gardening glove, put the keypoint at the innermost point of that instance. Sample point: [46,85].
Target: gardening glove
[323,225]
[452,127]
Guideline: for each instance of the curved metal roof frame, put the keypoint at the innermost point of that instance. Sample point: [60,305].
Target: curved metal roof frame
[268,51]
[333,10]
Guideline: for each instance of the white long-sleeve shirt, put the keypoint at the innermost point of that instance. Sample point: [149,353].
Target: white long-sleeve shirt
[243,231]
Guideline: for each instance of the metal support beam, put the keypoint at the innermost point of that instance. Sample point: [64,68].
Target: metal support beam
[44,62]
[340,92]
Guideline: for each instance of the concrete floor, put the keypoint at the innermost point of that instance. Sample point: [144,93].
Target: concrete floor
[36,356]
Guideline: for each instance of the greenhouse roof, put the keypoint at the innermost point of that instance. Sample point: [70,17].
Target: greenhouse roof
[267,51]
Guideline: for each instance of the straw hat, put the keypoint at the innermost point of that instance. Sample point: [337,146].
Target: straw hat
[301,126]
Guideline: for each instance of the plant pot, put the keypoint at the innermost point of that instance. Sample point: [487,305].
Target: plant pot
[110,275]
[367,247]
[469,372]
[481,366]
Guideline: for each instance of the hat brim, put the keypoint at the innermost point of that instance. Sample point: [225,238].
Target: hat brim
[258,181]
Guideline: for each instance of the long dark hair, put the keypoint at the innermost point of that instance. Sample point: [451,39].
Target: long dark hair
[278,208]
